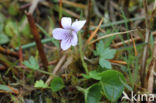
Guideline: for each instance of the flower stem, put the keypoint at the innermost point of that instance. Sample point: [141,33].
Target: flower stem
[81,54]
[44,72]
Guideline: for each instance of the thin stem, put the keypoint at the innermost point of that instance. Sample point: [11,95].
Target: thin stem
[88,18]
[119,22]
[112,34]
[60,9]
[81,54]
[45,72]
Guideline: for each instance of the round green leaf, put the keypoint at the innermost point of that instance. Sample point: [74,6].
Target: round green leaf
[3,38]
[94,93]
[57,84]
[13,9]
[111,84]
[11,28]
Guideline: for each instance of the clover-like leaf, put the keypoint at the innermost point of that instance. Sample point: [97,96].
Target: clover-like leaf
[108,53]
[31,63]
[104,63]
[99,48]
[104,54]
[40,84]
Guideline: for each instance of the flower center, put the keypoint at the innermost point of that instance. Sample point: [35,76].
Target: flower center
[69,36]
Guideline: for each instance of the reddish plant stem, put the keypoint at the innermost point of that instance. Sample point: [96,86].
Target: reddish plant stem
[8,52]
[20,55]
[37,40]
[4,65]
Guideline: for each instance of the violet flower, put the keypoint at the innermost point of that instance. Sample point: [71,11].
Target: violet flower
[68,34]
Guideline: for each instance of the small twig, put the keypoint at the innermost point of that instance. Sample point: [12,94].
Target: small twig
[135,50]
[117,61]
[112,34]
[59,64]
[6,51]
[37,40]
[137,38]
[33,6]
[56,69]
[73,14]
[68,61]
[144,58]
[74,4]
[119,44]
[94,33]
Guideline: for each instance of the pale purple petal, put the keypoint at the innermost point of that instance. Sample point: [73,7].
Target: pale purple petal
[66,22]
[59,33]
[77,25]
[75,39]
[65,44]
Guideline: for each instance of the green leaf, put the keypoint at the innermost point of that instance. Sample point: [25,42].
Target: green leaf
[40,84]
[99,48]
[3,38]
[13,9]
[108,53]
[104,53]
[57,84]
[92,75]
[93,94]
[31,63]
[2,18]
[11,28]
[111,84]
[104,63]
[126,85]
[1,27]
